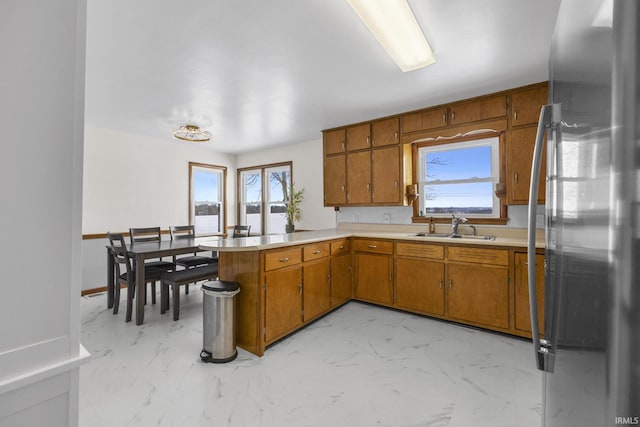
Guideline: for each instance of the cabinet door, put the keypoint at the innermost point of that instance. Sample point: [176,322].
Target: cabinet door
[432,118]
[373,278]
[316,288]
[525,106]
[420,285]
[283,302]
[522,312]
[341,279]
[334,141]
[385,132]
[486,108]
[335,180]
[385,175]
[519,157]
[359,178]
[359,137]
[478,294]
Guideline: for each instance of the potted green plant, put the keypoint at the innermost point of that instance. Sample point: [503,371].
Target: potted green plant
[293,208]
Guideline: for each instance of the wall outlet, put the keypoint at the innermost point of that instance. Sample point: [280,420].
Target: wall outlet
[386,218]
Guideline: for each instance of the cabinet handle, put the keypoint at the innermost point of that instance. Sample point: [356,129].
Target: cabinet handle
[342,145]
[396,184]
[515,177]
[300,288]
[444,118]
[453,116]
[341,247]
[368,142]
[450,284]
[525,263]
[395,135]
[368,186]
[515,115]
[372,246]
[316,252]
[440,283]
[285,259]
[342,188]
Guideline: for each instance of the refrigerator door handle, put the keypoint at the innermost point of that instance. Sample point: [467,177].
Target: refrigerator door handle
[542,350]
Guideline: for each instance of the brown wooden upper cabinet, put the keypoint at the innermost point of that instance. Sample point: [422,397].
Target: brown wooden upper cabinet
[480,109]
[432,118]
[385,132]
[359,137]
[335,180]
[520,144]
[334,141]
[525,105]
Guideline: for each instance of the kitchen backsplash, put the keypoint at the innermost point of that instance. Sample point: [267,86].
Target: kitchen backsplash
[402,215]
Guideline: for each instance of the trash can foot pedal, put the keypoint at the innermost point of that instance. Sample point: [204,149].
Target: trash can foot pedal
[207,357]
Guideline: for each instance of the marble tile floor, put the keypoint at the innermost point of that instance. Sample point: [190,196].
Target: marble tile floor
[358,366]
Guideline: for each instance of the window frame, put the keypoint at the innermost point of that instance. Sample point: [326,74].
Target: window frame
[222,192]
[501,219]
[265,191]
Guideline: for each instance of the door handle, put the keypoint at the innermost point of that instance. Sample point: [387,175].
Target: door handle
[549,119]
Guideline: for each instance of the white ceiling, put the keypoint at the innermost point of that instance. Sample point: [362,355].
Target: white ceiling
[266,72]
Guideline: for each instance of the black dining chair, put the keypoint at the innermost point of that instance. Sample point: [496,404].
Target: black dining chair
[121,257]
[190,261]
[147,235]
[241,231]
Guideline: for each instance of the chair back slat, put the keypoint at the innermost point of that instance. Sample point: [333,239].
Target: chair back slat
[241,231]
[146,234]
[119,251]
[182,231]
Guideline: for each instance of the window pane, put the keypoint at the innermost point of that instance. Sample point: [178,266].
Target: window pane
[278,185]
[463,163]
[253,217]
[473,198]
[276,219]
[252,187]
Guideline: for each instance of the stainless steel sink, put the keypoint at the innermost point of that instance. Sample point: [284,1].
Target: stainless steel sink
[425,234]
[471,237]
[454,236]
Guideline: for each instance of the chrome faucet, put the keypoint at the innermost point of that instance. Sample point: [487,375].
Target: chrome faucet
[455,222]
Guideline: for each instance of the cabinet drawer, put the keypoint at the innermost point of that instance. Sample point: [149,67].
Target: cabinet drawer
[376,246]
[420,250]
[315,251]
[282,258]
[340,247]
[478,255]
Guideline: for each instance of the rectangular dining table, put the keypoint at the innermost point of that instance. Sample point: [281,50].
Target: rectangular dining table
[148,250]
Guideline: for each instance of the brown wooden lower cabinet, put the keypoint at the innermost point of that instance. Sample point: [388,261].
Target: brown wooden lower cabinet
[341,279]
[316,290]
[478,294]
[522,312]
[420,285]
[283,302]
[373,278]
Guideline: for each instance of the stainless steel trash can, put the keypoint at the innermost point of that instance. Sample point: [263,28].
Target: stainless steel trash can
[218,316]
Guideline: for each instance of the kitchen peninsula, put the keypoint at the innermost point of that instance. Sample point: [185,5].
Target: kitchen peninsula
[290,280]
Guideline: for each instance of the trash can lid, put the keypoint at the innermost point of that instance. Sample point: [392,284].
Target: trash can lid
[220,286]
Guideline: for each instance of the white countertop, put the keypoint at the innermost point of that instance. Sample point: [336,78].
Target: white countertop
[504,237]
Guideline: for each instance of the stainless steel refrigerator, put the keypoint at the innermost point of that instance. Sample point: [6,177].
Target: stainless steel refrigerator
[590,352]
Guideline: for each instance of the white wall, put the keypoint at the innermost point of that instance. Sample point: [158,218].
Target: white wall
[307,174]
[41,117]
[134,181]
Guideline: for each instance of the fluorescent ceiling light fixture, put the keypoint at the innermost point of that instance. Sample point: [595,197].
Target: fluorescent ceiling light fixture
[392,22]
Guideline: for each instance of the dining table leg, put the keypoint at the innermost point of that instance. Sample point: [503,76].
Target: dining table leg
[140,288]
[110,279]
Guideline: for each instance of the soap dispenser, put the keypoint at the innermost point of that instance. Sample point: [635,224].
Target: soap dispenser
[432,226]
